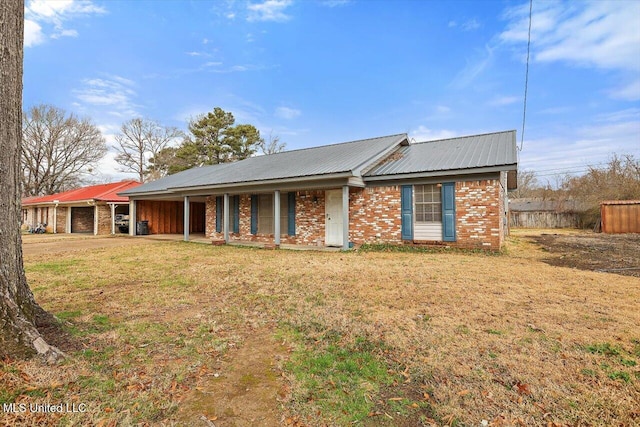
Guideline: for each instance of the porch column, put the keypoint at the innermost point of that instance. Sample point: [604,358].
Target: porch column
[225,221]
[186,218]
[95,219]
[55,218]
[345,217]
[113,217]
[276,217]
[67,226]
[132,218]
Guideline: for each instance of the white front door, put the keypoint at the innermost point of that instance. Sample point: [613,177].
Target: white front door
[333,217]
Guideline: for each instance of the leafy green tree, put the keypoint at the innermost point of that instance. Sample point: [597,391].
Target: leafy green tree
[216,139]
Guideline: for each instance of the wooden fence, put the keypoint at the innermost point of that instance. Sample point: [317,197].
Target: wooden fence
[544,219]
[620,216]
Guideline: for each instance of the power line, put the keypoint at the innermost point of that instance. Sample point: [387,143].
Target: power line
[526,78]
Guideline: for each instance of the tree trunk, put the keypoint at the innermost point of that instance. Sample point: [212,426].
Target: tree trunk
[19,313]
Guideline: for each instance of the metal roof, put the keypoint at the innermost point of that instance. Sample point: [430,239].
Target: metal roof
[347,157]
[466,152]
[100,192]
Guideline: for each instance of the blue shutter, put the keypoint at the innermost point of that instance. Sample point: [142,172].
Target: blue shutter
[236,214]
[449,212]
[254,214]
[406,211]
[291,220]
[219,213]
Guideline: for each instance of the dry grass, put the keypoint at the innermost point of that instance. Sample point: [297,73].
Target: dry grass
[507,338]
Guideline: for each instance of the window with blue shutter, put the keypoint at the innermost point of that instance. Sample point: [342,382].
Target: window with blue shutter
[291,223]
[406,211]
[449,212]
[254,214]
[219,213]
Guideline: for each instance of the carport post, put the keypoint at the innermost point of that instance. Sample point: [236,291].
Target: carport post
[276,217]
[345,217]
[113,218]
[186,218]
[132,218]
[225,223]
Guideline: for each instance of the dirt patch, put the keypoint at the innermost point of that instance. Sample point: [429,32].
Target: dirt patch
[244,390]
[611,253]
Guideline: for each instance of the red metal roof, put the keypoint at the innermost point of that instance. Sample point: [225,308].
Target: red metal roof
[99,193]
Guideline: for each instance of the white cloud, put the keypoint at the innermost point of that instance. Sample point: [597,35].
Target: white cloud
[423,133]
[113,92]
[335,3]
[32,33]
[501,101]
[470,25]
[585,34]
[628,92]
[287,113]
[269,10]
[49,17]
[571,149]
[473,69]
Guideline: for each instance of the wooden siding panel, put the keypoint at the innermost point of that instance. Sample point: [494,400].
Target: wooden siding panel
[431,231]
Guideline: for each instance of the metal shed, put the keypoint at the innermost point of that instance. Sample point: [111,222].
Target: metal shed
[620,216]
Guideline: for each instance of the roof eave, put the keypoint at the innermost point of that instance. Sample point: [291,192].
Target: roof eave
[445,172]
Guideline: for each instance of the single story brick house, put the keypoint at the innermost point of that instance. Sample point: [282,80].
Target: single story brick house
[379,190]
[90,209]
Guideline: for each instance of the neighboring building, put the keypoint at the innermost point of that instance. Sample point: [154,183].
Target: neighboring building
[84,210]
[542,213]
[620,216]
[379,190]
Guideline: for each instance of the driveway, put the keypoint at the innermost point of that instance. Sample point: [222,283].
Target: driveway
[34,245]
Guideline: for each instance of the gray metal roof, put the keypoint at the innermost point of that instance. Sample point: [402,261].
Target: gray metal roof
[466,152]
[348,157]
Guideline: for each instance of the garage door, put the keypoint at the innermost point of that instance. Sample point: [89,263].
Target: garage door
[82,220]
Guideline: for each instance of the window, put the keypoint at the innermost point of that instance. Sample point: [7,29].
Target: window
[428,205]
[266,211]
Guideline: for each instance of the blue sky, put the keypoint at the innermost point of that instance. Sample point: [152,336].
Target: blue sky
[320,72]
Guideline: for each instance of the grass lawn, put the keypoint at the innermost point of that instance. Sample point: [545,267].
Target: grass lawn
[189,334]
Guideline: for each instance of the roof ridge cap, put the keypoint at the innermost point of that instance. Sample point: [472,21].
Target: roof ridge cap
[332,144]
[464,136]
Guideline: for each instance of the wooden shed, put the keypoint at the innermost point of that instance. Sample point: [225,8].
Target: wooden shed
[620,216]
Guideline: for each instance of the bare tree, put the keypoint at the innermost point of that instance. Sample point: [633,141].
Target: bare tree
[273,146]
[58,150]
[140,140]
[618,180]
[527,185]
[19,313]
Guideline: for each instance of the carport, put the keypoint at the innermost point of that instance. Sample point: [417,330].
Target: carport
[170,216]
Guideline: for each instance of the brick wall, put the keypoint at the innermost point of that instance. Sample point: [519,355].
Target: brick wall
[374,215]
[478,214]
[104,219]
[61,219]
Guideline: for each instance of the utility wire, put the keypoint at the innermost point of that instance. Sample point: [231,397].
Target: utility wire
[526,79]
